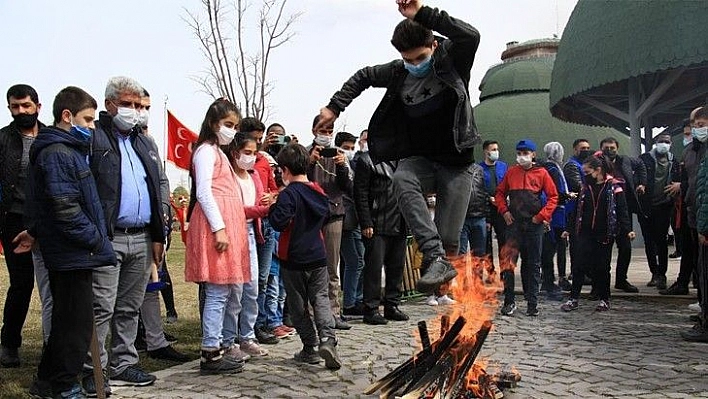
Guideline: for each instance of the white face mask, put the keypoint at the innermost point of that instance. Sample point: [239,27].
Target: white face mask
[700,133]
[126,118]
[226,135]
[349,154]
[246,162]
[493,156]
[662,148]
[524,160]
[325,140]
[143,117]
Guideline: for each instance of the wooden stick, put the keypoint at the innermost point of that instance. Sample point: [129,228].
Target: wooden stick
[424,336]
[97,368]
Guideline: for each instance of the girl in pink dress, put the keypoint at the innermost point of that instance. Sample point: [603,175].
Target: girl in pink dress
[217,253]
[242,154]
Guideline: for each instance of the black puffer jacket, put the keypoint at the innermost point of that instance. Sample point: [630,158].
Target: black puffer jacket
[635,174]
[479,200]
[376,204]
[106,168]
[453,60]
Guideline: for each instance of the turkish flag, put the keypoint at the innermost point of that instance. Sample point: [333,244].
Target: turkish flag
[179,142]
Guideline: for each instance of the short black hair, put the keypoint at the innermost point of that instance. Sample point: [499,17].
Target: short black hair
[145,93]
[72,98]
[341,137]
[409,35]
[578,141]
[487,143]
[610,140]
[701,114]
[250,124]
[601,161]
[21,91]
[294,157]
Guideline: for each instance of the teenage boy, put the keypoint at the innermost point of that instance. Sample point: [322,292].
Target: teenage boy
[426,121]
[71,232]
[527,218]
[300,213]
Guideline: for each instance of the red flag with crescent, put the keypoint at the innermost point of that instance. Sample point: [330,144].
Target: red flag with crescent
[179,142]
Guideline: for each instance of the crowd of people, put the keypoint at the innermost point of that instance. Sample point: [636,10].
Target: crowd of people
[272,225]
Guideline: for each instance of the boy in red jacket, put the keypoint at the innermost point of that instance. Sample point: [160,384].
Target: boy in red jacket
[526,199]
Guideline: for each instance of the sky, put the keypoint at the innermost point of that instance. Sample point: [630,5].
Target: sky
[53,44]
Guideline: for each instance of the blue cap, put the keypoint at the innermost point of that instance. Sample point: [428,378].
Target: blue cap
[526,145]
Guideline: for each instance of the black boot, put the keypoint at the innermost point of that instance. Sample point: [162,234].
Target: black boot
[214,362]
[394,313]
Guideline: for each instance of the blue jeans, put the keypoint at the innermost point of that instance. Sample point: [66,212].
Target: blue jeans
[527,237]
[275,301]
[352,256]
[265,255]
[222,305]
[249,299]
[474,233]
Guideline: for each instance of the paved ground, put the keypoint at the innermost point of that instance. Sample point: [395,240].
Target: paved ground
[633,351]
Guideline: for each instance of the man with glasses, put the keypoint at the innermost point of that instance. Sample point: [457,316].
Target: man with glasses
[126,167]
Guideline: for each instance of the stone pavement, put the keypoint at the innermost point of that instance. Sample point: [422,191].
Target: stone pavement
[632,351]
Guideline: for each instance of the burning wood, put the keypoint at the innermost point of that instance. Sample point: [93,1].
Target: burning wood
[442,368]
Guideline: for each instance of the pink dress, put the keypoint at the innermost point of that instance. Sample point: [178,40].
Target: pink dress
[202,262]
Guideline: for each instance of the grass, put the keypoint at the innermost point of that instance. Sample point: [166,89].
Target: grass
[14,383]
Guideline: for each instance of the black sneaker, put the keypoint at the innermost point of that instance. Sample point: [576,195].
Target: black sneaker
[661,283]
[696,334]
[265,337]
[375,319]
[394,313]
[341,324]
[214,362]
[356,310]
[570,305]
[10,357]
[440,271]
[532,310]
[89,385]
[308,355]
[508,309]
[626,287]
[652,282]
[133,376]
[564,284]
[328,351]
[74,393]
[168,353]
[675,289]
[171,339]
[40,389]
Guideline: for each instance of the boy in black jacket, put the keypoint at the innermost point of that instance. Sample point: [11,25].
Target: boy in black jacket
[299,214]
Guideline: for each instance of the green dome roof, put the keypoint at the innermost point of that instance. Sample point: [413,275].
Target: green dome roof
[521,75]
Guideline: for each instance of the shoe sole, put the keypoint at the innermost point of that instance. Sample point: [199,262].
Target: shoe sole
[330,358]
[121,383]
[302,361]
[217,372]
[426,286]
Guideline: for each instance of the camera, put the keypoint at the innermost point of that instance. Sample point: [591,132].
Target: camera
[330,152]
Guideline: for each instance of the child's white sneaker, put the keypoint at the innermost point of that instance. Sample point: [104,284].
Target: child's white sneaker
[446,300]
[432,301]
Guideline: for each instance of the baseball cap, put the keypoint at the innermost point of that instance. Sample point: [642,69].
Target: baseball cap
[526,145]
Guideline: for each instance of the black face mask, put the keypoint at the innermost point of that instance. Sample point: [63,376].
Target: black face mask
[589,179]
[584,154]
[612,154]
[25,121]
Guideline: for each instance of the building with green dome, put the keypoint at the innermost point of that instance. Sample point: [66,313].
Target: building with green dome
[514,103]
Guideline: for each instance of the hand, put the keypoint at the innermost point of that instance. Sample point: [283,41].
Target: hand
[409,8]
[631,235]
[327,118]
[158,252]
[368,232]
[572,195]
[267,199]
[702,239]
[492,200]
[222,240]
[340,159]
[508,219]
[315,154]
[24,242]
[641,189]
[565,235]
[673,189]
[271,139]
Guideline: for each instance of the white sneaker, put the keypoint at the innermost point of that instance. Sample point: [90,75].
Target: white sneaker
[432,301]
[446,300]
[696,307]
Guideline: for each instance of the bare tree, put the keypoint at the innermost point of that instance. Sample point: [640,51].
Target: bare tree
[237,63]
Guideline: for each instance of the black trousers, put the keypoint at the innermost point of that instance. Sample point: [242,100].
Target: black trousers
[496,222]
[72,326]
[624,255]
[388,252]
[654,230]
[593,259]
[21,270]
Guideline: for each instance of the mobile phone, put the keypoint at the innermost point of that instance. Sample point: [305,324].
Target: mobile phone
[330,152]
[282,139]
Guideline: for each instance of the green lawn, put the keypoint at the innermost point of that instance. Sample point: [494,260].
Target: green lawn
[15,382]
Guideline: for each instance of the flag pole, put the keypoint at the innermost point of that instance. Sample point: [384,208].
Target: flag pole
[164,133]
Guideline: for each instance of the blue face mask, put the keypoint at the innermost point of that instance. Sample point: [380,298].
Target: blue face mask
[687,140]
[80,132]
[700,133]
[420,70]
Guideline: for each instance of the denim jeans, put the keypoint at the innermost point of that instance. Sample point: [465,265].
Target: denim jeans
[249,299]
[352,256]
[265,256]
[528,238]
[45,293]
[275,301]
[222,305]
[417,176]
[474,234]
